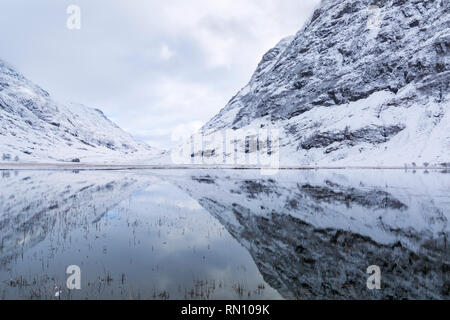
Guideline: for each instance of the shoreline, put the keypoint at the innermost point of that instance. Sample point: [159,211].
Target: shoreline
[93,167]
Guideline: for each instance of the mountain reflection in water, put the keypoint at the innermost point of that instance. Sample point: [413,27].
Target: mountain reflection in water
[224,234]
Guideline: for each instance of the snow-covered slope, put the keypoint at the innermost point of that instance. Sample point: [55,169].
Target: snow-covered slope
[33,127]
[363,83]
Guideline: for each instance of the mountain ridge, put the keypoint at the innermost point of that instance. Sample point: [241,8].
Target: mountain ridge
[36,128]
[362,83]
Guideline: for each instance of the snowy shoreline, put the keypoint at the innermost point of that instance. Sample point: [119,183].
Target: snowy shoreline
[70,166]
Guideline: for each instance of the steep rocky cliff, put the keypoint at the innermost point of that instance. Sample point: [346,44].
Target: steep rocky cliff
[363,82]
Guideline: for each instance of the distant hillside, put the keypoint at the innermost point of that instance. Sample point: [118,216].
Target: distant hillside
[34,127]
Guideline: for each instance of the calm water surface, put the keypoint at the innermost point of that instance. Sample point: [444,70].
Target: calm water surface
[224,234]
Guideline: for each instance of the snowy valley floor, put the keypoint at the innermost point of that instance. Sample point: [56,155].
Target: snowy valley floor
[78,166]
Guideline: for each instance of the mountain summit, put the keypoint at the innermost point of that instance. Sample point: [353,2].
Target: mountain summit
[362,83]
[33,127]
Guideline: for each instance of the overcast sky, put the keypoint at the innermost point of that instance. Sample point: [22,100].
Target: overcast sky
[151,66]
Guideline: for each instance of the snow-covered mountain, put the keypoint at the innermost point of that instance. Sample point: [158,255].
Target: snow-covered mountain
[362,83]
[34,127]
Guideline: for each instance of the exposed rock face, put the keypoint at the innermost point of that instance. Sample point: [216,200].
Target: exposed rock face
[364,82]
[314,234]
[33,127]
